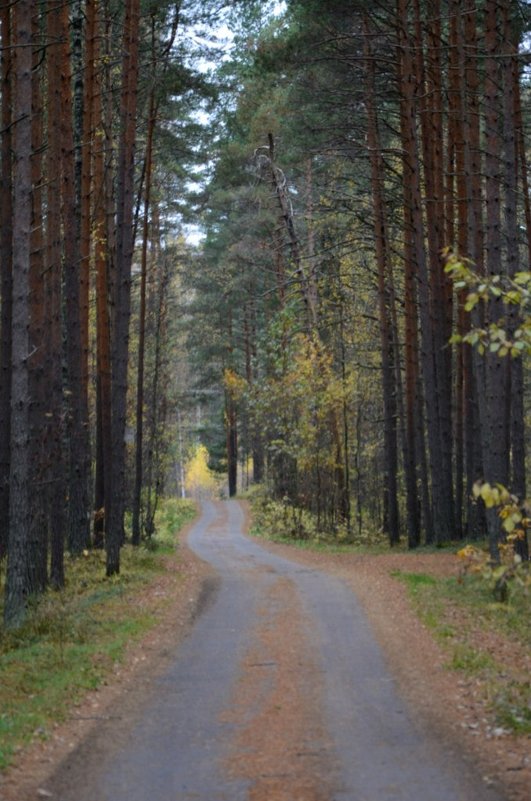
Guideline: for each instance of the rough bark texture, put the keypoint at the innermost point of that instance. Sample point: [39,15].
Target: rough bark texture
[102,266]
[56,476]
[37,332]
[495,421]
[20,558]
[6,275]
[122,311]
[78,507]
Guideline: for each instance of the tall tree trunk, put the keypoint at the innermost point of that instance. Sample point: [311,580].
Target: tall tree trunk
[142,326]
[510,82]
[456,239]
[38,333]
[413,443]
[84,91]
[495,423]
[148,170]
[407,84]
[115,504]
[474,365]
[20,557]
[232,445]
[6,275]
[155,406]
[102,267]
[78,510]
[386,340]
[436,294]
[57,477]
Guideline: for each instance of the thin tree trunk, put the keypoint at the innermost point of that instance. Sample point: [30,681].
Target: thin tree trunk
[510,178]
[155,407]
[78,511]
[6,276]
[38,334]
[456,239]
[102,249]
[474,365]
[386,342]
[53,280]
[494,424]
[84,91]
[115,504]
[308,292]
[142,325]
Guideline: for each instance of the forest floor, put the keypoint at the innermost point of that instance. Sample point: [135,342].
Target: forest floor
[455,702]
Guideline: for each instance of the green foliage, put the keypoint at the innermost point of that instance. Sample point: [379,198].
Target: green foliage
[509,572]
[414,580]
[515,295]
[502,578]
[469,660]
[298,408]
[171,516]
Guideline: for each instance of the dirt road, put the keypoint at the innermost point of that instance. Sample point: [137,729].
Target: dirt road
[280,692]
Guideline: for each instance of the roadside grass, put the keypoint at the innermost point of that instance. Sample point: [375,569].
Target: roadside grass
[463,615]
[72,639]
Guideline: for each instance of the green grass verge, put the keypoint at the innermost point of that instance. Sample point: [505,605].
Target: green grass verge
[453,609]
[72,639]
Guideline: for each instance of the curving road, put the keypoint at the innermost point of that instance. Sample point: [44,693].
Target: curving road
[279,693]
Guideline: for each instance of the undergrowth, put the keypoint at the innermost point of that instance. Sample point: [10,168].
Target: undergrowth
[73,638]
[283,521]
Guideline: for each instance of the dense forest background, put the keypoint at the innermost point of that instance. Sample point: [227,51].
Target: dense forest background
[297,233]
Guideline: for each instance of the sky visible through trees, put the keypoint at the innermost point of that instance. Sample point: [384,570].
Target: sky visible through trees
[308,255]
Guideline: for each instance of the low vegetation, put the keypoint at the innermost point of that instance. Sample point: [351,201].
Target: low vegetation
[484,638]
[73,638]
[283,521]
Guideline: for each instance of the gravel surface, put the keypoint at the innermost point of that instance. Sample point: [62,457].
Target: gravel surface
[278,691]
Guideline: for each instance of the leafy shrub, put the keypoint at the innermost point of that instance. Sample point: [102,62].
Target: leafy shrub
[510,570]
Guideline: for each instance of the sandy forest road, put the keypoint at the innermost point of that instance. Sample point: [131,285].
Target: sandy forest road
[278,691]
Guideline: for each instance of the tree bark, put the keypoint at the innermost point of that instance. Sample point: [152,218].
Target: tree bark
[20,557]
[102,266]
[38,333]
[386,340]
[124,253]
[495,421]
[139,439]
[57,477]
[6,275]
[78,507]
